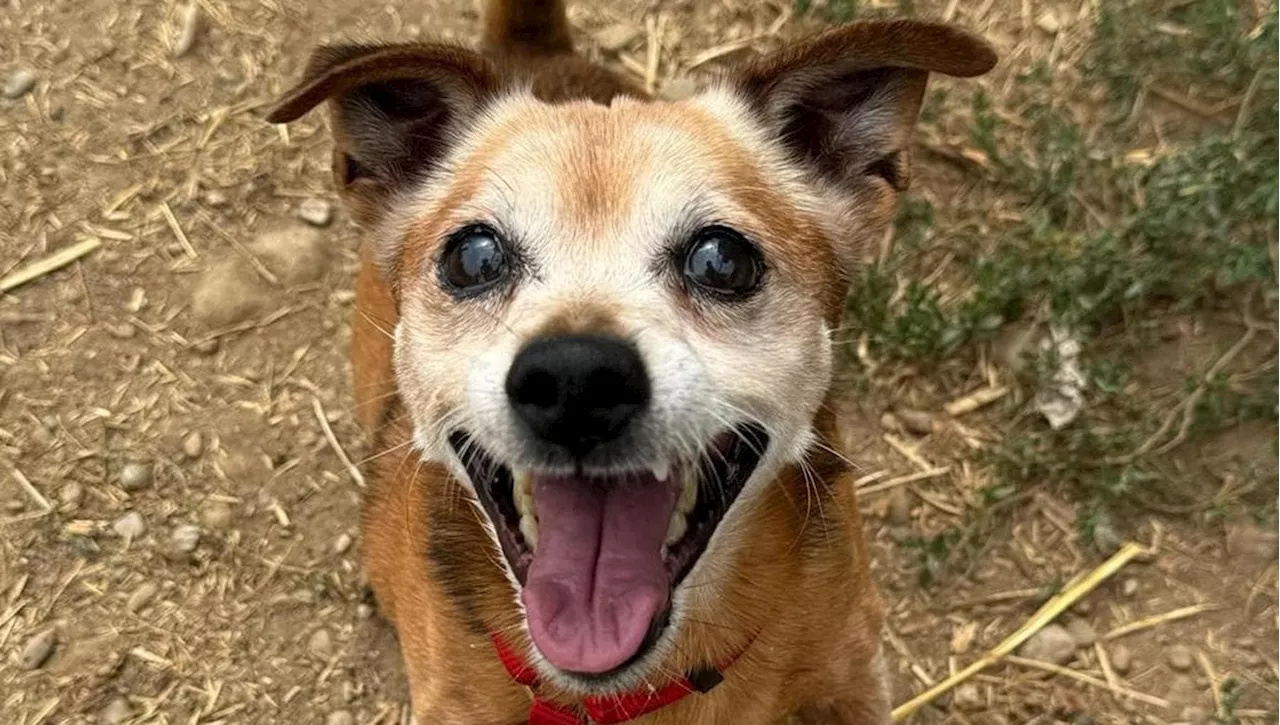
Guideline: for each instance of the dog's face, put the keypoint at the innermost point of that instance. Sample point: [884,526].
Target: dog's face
[614,321]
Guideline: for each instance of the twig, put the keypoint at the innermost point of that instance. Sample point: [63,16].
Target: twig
[1242,114]
[1070,594]
[177,230]
[1215,685]
[334,444]
[31,491]
[1086,679]
[1187,407]
[908,452]
[55,261]
[241,327]
[1149,622]
[653,51]
[903,480]
[975,400]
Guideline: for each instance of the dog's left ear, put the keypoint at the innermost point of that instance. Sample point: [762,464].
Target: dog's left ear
[396,111]
[845,102]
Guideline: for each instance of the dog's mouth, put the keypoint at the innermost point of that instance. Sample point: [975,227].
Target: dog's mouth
[598,554]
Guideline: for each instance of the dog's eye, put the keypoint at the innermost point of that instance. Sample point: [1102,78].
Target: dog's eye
[474,260]
[723,262]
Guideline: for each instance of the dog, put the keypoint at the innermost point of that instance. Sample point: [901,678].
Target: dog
[593,350]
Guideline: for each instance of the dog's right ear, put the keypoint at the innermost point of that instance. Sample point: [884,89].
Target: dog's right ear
[395,110]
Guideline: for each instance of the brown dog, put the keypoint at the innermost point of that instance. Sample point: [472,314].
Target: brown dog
[593,346]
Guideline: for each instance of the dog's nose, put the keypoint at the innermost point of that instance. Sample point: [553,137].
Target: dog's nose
[578,391]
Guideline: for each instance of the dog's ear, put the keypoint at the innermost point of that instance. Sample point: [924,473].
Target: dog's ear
[845,102]
[395,111]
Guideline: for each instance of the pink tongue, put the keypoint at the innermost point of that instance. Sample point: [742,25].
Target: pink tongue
[597,578]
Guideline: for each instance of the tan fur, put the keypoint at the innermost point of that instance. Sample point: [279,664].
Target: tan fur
[594,176]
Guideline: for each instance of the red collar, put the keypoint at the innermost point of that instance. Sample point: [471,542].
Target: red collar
[608,709]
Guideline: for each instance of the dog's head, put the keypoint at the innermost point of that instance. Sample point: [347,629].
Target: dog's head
[615,319]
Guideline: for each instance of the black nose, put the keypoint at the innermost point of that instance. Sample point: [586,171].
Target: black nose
[577,391]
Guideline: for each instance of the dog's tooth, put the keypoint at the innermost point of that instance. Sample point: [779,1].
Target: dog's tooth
[522,480]
[676,528]
[529,530]
[688,494]
[662,471]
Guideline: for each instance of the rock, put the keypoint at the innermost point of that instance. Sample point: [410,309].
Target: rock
[342,543]
[890,422]
[1247,540]
[121,331]
[1121,659]
[968,697]
[1082,633]
[918,422]
[316,212]
[130,526]
[135,476]
[20,83]
[364,611]
[678,89]
[228,293]
[1052,644]
[188,31]
[37,649]
[295,254]
[206,347]
[141,597]
[216,198]
[216,515]
[1180,658]
[1106,538]
[616,37]
[340,717]
[71,495]
[898,512]
[185,538]
[116,712]
[1129,587]
[193,445]
[1049,22]
[320,645]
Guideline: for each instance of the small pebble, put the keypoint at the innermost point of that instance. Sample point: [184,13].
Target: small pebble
[316,212]
[1121,659]
[342,543]
[216,515]
[71,495]
[1129,587]
[364,611]
[968,696]
[1179,658]
[899,510]
[918,422]
[193,445]
[15,506]
[1052,644]
[340,717]
[141,597]
[20,83]
[121,331]
[206,347]
[216,198]
[185,538]
[135,476]
[320,645]
[116,712]
[1081,632]
[130,526]
[37,649]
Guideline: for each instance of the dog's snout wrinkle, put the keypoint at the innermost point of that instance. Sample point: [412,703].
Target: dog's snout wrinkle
[577,391]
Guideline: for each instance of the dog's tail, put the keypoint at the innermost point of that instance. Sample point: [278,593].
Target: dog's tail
[526,27]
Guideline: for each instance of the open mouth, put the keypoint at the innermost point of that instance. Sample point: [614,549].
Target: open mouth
[598,555]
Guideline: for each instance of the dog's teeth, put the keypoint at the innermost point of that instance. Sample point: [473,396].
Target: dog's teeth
[522,492]
[529,530]
[688,494]
[676,528]
[662,471]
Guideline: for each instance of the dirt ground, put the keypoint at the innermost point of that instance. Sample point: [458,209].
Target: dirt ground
[178,537]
